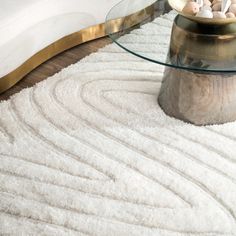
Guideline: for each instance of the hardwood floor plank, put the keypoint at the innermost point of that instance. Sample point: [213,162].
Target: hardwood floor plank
[56,64]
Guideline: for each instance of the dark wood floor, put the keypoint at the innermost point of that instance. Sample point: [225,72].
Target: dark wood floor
[55,64]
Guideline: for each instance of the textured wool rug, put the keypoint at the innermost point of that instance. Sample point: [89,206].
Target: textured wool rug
[90,152]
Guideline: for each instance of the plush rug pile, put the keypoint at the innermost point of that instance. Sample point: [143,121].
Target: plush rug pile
[90,152]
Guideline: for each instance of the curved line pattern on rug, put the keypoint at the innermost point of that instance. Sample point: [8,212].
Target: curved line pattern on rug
[90,152]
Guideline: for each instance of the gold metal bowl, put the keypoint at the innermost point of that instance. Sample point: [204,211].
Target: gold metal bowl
[178,5]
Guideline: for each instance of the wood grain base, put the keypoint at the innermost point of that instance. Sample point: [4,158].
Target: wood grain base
[198,98]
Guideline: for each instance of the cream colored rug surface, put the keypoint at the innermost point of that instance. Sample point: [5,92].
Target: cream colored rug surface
[90,152]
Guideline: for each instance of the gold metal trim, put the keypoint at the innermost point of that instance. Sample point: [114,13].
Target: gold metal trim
[72,40]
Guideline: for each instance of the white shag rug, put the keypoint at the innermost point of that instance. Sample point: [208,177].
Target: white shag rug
[90,152]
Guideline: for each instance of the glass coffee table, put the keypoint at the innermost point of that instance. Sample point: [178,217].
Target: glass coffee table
[199,80]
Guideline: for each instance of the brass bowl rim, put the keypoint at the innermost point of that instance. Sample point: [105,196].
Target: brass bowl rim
[201,20]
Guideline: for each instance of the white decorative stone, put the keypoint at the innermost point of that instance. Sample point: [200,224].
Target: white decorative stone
[205,13]
[191,8]
[205,7]
[218,14]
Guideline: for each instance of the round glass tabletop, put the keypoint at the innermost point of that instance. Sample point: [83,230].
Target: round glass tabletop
[151,30]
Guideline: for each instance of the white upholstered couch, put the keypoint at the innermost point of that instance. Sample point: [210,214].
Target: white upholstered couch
[32,31]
